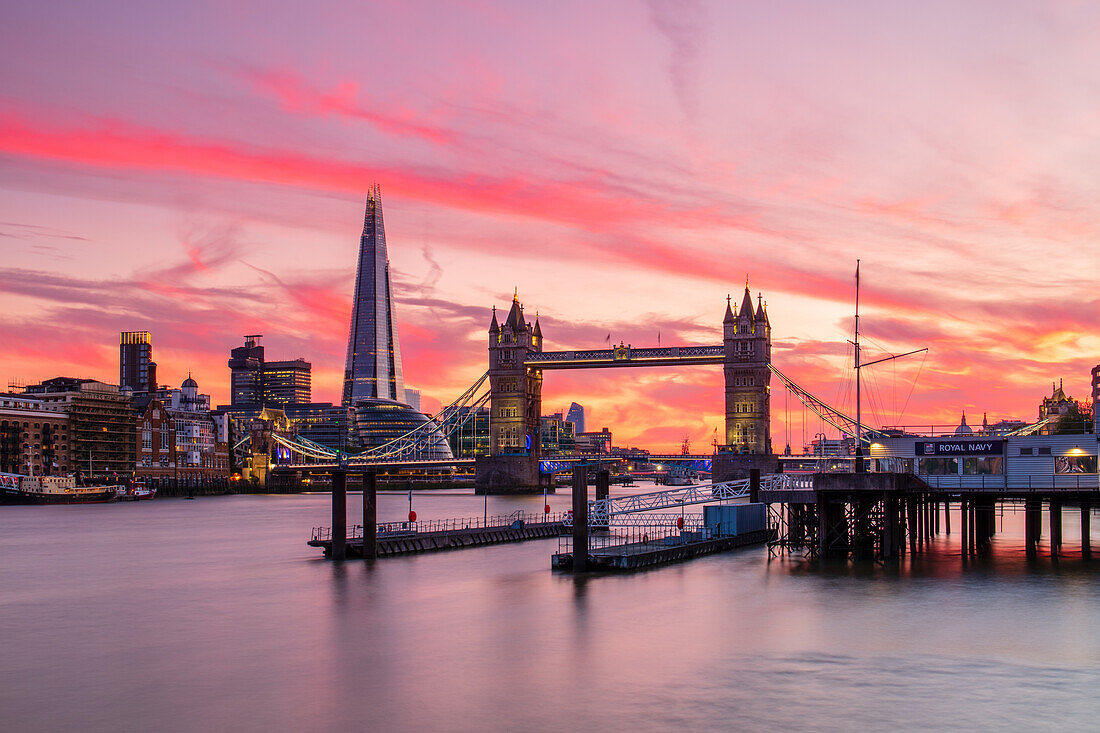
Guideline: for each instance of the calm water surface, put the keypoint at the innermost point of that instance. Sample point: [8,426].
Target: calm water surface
[213,614]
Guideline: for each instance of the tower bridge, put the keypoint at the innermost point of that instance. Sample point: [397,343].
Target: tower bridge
[517,361]
[512,389]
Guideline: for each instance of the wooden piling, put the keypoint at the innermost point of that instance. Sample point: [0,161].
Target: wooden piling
[603,484]
[339,514]
[1086,529]
[1055,527]
[911,519]
[977,517]
[963,510]
[370,515]
[580,518]
[1032,519]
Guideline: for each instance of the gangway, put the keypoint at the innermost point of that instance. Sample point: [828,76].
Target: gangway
[603,512]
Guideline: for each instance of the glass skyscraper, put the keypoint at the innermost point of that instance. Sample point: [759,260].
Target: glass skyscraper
[374,389]
[373,365]
[576,416]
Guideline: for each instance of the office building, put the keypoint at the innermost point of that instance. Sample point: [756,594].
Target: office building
[372,369]
[594,443]
[471,437]
[101,424]
[1096,399]
[135,353]
[575,415]
[286,382]
[259,383]
[412,398]
[246,372]
[321,422]
[178,438]
[550,434]
[374,387]
[33,440]
[379,421]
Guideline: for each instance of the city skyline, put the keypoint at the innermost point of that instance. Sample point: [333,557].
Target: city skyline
[214,197]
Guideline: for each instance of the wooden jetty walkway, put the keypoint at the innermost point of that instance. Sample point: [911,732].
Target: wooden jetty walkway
[404,538]
[637,555]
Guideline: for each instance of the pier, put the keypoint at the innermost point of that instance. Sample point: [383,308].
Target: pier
[404,538]
[623,533]
[653,552]
[882,516]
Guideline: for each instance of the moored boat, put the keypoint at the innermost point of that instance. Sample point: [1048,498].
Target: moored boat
[17,489]
[136,492]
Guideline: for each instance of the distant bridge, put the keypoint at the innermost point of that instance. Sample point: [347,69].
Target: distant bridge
[560,464]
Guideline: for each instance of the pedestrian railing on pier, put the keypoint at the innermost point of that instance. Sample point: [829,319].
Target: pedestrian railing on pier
[1001,482]
[642,533]
[396,530]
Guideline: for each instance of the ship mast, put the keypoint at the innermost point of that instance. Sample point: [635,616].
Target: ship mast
[861,466]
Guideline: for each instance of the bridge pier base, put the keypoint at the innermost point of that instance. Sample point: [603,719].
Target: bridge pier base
[737,466]
[507,475]
[339,514]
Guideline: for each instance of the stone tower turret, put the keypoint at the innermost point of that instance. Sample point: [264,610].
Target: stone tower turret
[748,344]
[516,402]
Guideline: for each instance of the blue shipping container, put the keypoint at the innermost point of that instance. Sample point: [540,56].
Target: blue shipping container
[731,520]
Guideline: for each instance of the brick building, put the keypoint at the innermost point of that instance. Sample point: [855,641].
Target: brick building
[33,440]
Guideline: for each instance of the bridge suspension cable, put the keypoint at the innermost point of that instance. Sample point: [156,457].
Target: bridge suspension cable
[450,419]
[844,423]
[413,445]
[604,511]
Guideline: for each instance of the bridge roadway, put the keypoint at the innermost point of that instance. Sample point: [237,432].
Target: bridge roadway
[554,464]
[354,466]
[625,356]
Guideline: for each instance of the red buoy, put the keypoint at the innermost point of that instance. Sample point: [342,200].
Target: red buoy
[412,516]
[546,509]
[679,522]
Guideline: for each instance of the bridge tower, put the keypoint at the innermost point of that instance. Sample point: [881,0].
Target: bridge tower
[515,406]
[747,338]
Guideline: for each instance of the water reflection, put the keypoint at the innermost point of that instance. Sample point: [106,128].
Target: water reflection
[213,614]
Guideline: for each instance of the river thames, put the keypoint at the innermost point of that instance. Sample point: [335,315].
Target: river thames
[213,614]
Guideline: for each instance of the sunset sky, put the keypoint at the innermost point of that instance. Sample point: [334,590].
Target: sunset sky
[198,170]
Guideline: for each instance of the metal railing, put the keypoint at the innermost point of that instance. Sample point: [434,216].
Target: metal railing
[643,534]
[387,530]
[681,496]
[1000,482]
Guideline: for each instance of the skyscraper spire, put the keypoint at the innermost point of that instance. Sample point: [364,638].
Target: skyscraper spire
[373,364]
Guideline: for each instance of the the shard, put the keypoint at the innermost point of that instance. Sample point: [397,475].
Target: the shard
[373,365]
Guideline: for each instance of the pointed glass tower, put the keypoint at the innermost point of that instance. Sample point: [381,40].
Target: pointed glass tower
[373,365]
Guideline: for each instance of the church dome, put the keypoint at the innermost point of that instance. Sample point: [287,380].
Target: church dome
[190,383]
[963,428]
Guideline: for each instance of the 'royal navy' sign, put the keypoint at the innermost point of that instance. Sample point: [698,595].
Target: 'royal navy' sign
[960,447]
